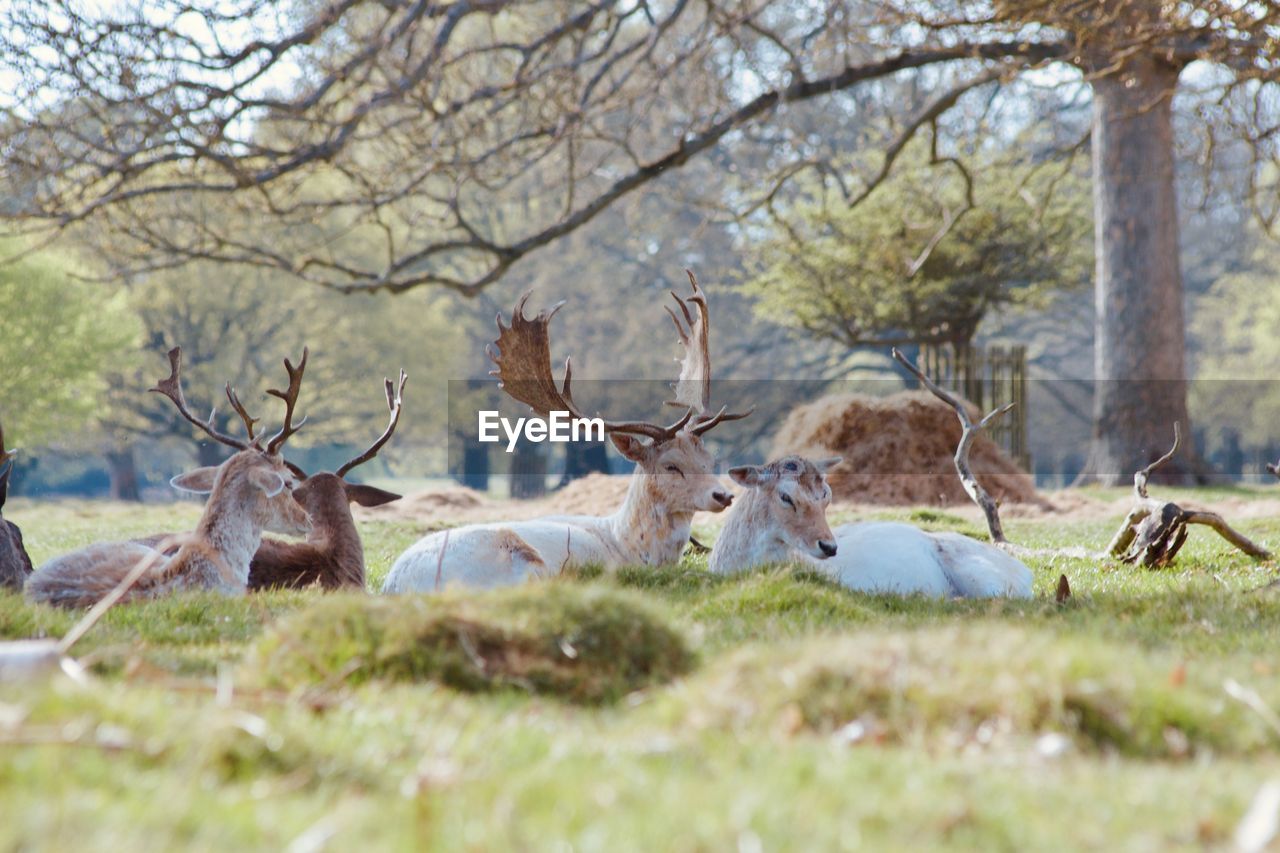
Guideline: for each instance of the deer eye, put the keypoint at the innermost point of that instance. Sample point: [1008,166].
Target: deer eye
[786,499]
[675,470]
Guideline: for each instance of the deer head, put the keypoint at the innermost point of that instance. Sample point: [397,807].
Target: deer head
[672,453]
[257,479]
[790,498]
[324,493]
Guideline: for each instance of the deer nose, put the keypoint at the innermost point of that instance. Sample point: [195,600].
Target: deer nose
[827,548]
[722,498]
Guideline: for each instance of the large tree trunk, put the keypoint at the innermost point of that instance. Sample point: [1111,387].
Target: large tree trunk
[528,471]
[582,458]
[1140,357]
[124,474]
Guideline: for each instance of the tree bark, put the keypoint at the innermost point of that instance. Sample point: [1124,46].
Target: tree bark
[528,471]
[582,458]
[124,474]
[1140,386]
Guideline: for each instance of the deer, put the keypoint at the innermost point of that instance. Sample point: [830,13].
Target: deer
[332,557]
[674,474]
[781,517]
[250,492]
[15,564]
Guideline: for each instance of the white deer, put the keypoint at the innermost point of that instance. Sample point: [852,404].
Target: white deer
[249,493]
[782,517]
[674,475]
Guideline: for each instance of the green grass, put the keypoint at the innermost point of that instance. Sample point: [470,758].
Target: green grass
[653,709]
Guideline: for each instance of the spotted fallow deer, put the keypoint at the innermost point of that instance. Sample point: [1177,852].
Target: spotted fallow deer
[782,517]
[674,474]
[15,565]
[249,493]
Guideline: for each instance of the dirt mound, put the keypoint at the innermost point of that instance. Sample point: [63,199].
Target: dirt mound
[452,502]
[898,450]
[594,494]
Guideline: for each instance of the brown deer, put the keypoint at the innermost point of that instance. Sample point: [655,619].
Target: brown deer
[333,556]
[249,493]
[674,475]
[15,565]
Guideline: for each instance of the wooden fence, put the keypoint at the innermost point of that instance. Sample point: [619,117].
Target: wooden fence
[988,377]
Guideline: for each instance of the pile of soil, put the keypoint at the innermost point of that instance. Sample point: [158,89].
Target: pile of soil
[898,450]
[594,494]
[450,503]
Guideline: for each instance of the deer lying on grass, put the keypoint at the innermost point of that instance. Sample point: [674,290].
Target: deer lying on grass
[782,516]
[673,478]
[333,555]
[249,493]
[15,565]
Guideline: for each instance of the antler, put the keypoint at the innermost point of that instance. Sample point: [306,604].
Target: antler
[249,421]
[693,387]
[522,359]
[171,387]
[394,404]
[290,397]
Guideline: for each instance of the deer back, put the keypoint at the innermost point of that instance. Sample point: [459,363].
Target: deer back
[333,556]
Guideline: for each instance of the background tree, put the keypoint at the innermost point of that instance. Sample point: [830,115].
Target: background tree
[237,325]
[1235,324]
[60,336]
[858,275]
[433,114]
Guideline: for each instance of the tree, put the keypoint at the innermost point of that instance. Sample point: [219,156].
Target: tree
[235,326]
[858,275]
[61,338]
[434,113]
[1234,326]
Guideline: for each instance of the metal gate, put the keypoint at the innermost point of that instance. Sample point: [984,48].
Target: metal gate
[988,377]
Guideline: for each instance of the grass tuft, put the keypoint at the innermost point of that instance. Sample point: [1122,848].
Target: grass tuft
[580,643]
[956,686]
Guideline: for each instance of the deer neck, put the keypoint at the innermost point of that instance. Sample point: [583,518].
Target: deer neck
[747,539]
[218,554]
[646,529]
[334,534]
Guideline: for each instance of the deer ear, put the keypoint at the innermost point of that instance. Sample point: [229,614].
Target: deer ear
[825,465]
[750,475]
[4,482]
[630,446]
[368,495]
[270,482]
[199,481]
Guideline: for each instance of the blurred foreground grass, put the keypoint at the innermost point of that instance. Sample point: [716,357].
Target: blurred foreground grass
[769,711]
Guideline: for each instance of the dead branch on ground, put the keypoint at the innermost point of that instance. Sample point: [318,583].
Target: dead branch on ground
[1155,530]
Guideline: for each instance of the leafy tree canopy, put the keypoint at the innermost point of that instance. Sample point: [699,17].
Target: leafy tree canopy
[61,335]
[859,275]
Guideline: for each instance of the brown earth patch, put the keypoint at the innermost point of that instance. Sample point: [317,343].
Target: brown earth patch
[898,451]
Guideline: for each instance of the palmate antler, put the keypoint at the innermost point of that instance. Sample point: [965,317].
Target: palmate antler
[522,359]
[395,402]
[693,386]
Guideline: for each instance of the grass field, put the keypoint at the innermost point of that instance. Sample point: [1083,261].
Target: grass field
[653,709]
